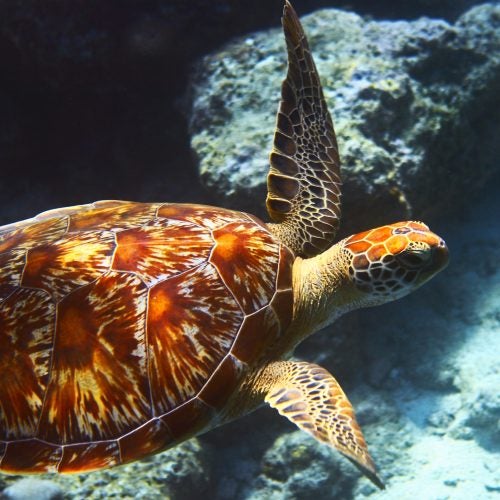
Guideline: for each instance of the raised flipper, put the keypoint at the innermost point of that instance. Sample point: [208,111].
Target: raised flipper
[304,177]
[312,399]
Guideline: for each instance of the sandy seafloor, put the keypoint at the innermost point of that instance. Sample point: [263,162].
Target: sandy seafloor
[455,434]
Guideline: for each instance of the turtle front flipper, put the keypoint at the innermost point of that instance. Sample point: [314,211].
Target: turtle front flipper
[312,399]
[304,178]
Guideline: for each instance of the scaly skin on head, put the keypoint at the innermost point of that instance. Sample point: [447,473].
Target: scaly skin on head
[365,269]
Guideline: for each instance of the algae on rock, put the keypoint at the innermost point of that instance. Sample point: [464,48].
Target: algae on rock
[414,104]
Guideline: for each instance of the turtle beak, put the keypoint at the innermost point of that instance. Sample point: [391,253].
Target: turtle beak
[440,256]
[437,262]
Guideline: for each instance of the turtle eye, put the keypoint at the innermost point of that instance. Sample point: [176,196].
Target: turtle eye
[413,258]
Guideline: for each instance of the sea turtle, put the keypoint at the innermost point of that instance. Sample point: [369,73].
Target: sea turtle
[126,328]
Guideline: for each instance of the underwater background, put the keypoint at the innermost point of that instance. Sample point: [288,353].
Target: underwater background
[176,101]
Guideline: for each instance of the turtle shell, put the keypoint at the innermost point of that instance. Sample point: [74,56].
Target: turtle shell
[125,328]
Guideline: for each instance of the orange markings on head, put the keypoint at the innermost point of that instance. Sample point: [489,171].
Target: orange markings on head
[376,252]
[382,240]
[397,243]
[361,242]
[428,237]
[380,235]
[411,231]
[417,226]
[404,255]
[359,236]
[359,246]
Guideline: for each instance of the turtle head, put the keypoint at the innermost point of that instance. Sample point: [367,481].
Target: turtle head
[363,270]
[391,261]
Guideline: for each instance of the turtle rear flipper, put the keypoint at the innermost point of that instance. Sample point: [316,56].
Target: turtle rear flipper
[312,399]
[304,177]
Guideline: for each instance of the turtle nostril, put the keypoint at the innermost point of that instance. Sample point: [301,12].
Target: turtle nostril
[441,255]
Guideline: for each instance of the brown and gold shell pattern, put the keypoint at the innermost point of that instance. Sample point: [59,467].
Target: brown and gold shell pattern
[126,327]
